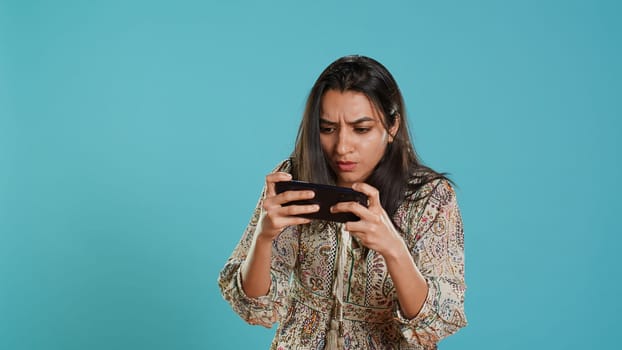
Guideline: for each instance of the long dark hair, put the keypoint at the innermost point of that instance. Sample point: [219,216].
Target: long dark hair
[400,172]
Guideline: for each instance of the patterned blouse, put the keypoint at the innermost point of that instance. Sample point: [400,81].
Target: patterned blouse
[303,272]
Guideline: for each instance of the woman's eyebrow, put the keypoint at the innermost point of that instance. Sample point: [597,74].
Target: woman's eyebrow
[362,120]
[357,121]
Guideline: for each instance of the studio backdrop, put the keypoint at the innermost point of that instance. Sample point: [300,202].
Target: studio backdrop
[135,137]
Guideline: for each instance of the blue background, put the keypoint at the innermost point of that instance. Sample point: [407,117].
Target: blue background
[135,135]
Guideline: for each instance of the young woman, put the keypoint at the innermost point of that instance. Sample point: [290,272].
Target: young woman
[392,280]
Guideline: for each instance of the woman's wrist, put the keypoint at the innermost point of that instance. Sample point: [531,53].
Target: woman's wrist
[397,252]
[263,237]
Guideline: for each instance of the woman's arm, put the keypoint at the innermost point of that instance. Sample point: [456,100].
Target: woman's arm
[427,270]
[265,268]
[376,231]
[410,285]
[272,221]
[256,268]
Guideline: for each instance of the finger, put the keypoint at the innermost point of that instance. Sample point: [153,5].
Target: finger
[275,177]
[279,223]
[286,216]
[356,228]
[296,220]
[294,210]
[290,196]
[300,221]
[372,193]
[350,207]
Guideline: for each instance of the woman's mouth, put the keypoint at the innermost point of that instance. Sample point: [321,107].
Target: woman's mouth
[346,166]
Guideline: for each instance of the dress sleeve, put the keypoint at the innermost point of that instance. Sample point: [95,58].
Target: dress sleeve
[437,247]
[268,309]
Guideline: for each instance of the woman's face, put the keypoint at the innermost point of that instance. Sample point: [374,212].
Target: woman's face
[352,135]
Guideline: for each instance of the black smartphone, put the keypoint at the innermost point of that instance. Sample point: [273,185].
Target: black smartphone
[326,196]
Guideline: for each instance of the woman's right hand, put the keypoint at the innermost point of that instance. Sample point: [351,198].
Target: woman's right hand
[275,217]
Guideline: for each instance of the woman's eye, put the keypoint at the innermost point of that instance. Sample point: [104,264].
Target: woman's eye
[326,130]
[362,130]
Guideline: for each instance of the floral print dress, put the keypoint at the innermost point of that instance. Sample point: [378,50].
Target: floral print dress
[303,273]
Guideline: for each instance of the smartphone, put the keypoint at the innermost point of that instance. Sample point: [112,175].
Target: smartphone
[326,196]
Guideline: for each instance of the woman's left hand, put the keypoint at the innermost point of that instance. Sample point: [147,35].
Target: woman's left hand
[375,230]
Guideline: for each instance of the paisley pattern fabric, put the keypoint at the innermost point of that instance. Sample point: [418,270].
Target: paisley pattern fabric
[303,273]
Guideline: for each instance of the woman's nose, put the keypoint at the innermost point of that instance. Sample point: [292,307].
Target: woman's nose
[343,142]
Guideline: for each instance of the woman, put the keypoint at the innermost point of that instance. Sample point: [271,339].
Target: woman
[392,280]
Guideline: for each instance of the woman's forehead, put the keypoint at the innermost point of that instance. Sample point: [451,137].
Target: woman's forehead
[351,105]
